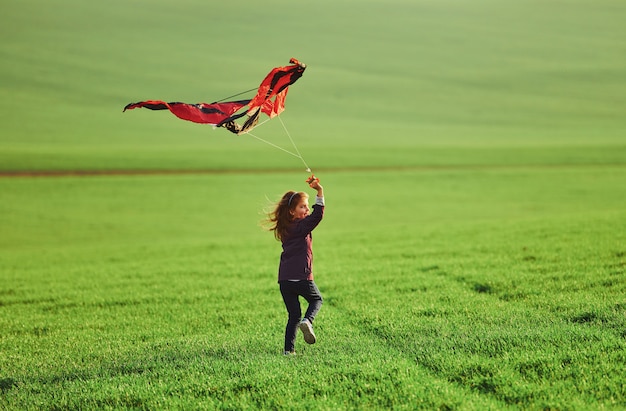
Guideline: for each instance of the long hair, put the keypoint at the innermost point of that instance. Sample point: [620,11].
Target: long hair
[280,217]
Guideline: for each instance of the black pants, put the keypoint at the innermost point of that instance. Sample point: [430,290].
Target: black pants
[291,291]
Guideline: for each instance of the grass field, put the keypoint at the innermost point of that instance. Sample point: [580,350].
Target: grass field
[473,253]
[397,82]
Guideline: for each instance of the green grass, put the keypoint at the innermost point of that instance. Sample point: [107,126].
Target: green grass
[456,289]
[387,82]
[473,252]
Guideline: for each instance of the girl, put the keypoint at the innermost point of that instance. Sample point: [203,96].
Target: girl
[292,225]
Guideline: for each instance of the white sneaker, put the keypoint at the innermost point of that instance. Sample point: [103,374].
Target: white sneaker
[307,330]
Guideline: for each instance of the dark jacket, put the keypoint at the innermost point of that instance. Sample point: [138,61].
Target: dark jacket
[296,260]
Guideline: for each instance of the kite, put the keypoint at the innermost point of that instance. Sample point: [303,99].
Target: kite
[269,100]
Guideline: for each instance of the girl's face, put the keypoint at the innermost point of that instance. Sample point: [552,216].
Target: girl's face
[301,210]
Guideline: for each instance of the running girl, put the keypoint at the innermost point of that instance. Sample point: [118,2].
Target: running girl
[292,225]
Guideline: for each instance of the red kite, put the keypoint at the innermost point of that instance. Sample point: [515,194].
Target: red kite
[269,100]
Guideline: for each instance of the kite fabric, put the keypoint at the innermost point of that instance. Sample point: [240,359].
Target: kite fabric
[269,100]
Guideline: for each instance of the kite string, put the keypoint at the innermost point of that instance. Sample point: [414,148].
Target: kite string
[273,145]
[296,154]
[293,143]
[235,95]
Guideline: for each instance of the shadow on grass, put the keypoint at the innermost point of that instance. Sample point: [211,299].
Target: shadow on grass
[151,360]
[185,370]
[7,383]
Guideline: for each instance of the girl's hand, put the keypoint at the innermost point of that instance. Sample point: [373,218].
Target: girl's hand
[314,183]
